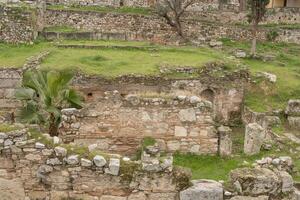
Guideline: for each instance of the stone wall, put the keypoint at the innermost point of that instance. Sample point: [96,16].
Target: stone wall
[16,24]
[153,28]
[180,114]
[10,79]
[32,170]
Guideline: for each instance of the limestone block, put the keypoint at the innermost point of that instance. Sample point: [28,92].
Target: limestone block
[287,182]
[293,107]
[99,161]
[270,77]
[113,167]
[294,122]
[180,131]
[203,189]
[195,99]
[39,145]
[173,145]
[225,146]
[60,151]
[254,138]
[187,115]
[85,162]
[72,160]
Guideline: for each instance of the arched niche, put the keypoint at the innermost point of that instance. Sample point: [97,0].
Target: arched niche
[208,95]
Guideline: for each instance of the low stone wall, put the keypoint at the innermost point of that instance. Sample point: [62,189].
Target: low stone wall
[32,170]
[153,28]
[119,124]
[16,24]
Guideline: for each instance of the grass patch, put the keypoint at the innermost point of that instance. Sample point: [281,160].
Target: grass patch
[106,43]
[217,168]
[102,9]
[148,141]
[116,62]
[7,128]
[14,56]
[108,62]
[61,29]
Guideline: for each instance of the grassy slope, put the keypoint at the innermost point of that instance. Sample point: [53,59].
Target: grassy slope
[286,67]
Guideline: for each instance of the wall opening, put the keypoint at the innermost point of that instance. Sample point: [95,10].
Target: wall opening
[208,95]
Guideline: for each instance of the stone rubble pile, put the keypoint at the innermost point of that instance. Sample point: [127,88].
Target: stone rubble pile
[268,179]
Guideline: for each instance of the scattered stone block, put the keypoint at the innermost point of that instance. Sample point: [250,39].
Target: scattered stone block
[270,77]
[203,189]
[255,181]
[240,54]
[254,138]
[287,182]
[293,107]
[225,146]
[99,161]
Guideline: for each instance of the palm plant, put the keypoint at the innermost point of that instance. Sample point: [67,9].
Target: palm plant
[45,94]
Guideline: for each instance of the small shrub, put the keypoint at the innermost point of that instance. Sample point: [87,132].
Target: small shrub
[272,35]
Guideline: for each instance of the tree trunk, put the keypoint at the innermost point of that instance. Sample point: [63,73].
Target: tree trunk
[254,33]
[53,129]
[179,28]
[243,5]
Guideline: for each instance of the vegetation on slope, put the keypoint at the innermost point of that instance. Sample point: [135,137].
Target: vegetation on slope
[264,96]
